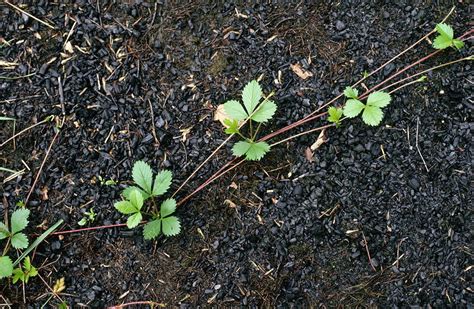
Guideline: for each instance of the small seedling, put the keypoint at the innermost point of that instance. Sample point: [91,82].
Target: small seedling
[251,111]
[15,238]
[88,218]
[26,272]
[446,38]
[146,188]
[372,110]
[106,182]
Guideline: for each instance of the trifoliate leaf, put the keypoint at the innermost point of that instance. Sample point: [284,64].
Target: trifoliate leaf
[442,42]
[128,190]
[125,207]
[6,267]
[256,151]
[232,126]
[445,30]
[136,199]
[4,233]
[351,93]
[251,96]
[240,148]
[171,226]
[18,274]
[143,175]
[379,99]
[264,112]
[134,220]
[162,182]
[167,207]
[235,110]
[458,44]
[152,229]
[372,115]
[19,220]
[334,114]
[19,241]
[353,108]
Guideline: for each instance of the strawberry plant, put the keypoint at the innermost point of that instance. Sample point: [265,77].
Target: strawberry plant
[24,274]
[446,38]
[147,189]
[252,110]
[372,113]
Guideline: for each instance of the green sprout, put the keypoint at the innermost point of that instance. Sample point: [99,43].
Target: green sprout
[24,273]
[251,111]
[88,218]
[146,188]
[372,113]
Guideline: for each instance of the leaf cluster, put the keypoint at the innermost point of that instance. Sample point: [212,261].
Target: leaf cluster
[252,110]
[15,237]
[148,188]
[372,113]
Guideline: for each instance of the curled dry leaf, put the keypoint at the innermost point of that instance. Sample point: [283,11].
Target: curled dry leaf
[309,154]
[321,140]
[298,70]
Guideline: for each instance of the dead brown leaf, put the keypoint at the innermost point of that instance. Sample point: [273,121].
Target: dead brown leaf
[309,154]
[302,73]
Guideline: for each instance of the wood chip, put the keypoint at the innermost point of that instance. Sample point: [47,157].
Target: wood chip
[321,140]
[302,73]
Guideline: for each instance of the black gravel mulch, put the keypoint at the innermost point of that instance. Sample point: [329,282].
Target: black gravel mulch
[141,82]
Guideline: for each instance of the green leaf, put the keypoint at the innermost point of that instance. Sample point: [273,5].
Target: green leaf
[235,110]
[134,220]
[251,96]
[143,176]
[19,220]
[334,114]
[167,207]
[252,151]
[445,30]
[379,99]
[458,44]
[6,267]
[264,112]
[152,229]
[372,115]
[233,126]
[18,274]
[4,233]
[240,148]
[442,42]
[257,151]
[19,241]
[126,192]
[351,93]
[162,182]
[27,263]
[136,199]
[171,226]
[125,207]
[353,108]
[82,222]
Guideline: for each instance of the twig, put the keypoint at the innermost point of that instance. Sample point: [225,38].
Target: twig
[17,77]
[368,252]
[151,303]
[416,144]
[153,130]
[26,13]
[41,166]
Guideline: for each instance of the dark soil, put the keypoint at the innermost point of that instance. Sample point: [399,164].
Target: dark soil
[282,232]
